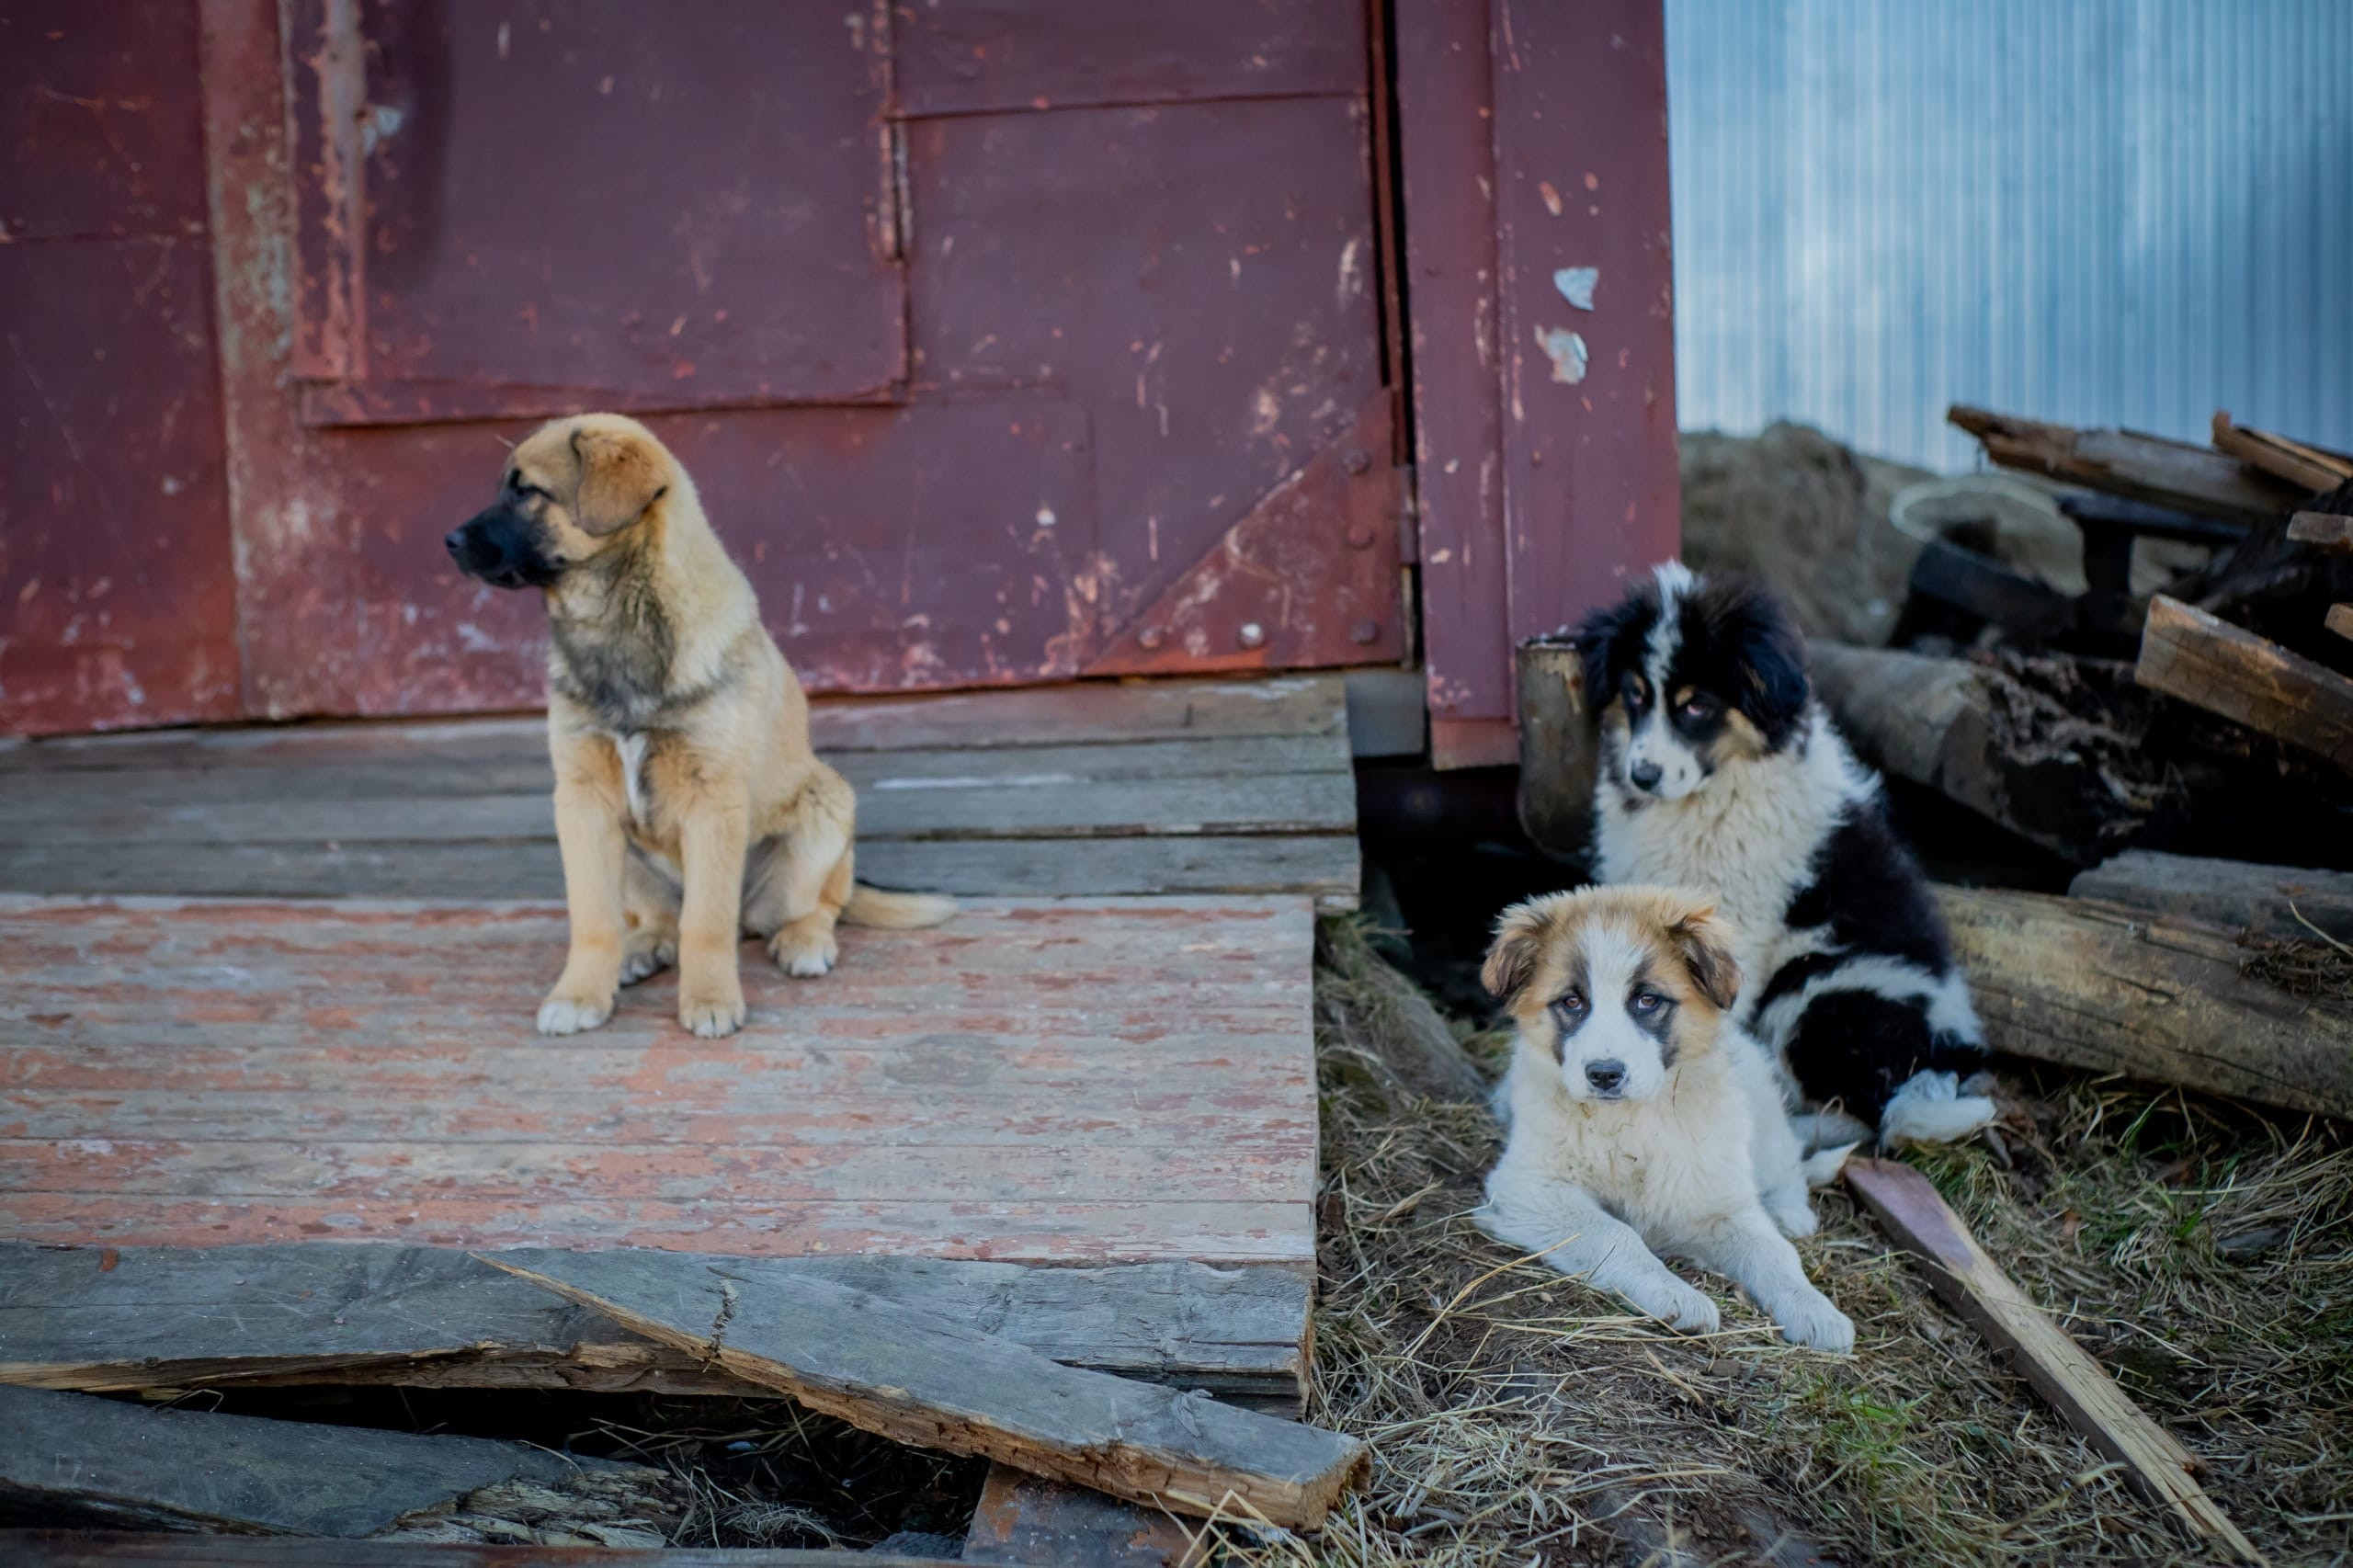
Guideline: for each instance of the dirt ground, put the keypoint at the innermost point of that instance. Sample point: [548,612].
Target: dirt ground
[2203,1253]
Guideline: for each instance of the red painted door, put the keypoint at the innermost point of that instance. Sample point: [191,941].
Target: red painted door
[1005,344]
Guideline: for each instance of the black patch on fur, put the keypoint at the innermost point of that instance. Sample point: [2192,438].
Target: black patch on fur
[1659,1022]
[1857,1049]
[1567,1022]
[1738,644]
[1609,643]
[504,548]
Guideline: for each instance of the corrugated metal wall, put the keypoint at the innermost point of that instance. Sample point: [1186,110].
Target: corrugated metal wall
[2101,211]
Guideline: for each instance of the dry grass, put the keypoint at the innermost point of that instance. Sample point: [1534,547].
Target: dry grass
[2204,1253]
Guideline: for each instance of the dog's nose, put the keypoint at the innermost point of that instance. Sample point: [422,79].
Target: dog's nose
[1606,1077]
[456,540]
[1645,774]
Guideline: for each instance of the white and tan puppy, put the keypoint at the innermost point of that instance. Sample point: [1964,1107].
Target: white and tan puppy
[688,804]
[1641,1120]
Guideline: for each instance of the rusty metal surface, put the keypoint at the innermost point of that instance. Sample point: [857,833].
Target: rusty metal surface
[1310,577]
[1089,1080]
[992,56]
[116,599]
[1447,141]
[519,207]
[1586,293]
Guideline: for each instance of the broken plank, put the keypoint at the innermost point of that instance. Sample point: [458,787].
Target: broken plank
[2094,986]
[2339,619]
[2307,468]
[118,1319]
[117,1464]
[2124,462]
[2260,901]
[85,1549]
[1972,1285]
[920,1378]
[2329,531]
[1023,1520]
[2209,663]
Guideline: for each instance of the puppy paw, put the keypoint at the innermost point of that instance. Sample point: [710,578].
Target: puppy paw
[710,1015]
[804,954]
[1792,1212]
[565,1014]
[652,959]
[1681,1308]
[1818,1326]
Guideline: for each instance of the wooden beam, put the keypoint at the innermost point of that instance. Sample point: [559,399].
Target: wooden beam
[2124,462]
[114,1319]
[2339,619]
[1044,1524]
[2262,901]
[2307,468]
[85,1549]
[2331,532]
[921,1377]
[2207,662]
[116,1464]
[2109,990]
[1970,1282]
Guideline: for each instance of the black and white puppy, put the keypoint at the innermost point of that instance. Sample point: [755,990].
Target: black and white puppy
[1716,769]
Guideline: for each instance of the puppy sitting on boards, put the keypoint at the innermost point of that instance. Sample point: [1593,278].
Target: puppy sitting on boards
[1641,1120]
[689,806]
[1716,769]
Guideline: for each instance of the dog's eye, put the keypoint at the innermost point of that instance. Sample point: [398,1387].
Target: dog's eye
[1648,1000]
[1571,1003]
[1698,707]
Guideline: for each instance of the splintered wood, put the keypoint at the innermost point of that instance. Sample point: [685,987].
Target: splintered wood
[1108,1081]
[1972,1285]
[2187,653]
[924,1379]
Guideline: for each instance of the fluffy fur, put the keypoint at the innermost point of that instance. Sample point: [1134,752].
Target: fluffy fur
[689,806]
[1718,769]
[1643,1121]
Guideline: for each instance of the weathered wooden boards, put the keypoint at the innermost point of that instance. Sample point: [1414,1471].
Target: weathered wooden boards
[1083,1081]
[1109,788]
[114,1464]
[921,1377]
[2261,901]
[2307,468]
[1024,1522]
[159,1318]
[2326,529]
[2187,653]
[2124,462]
[64,1549]
[2099,987]
[1972,1285]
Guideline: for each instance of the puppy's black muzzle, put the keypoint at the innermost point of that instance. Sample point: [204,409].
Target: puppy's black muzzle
[501,548]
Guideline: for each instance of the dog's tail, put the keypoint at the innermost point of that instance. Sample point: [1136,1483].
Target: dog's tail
[897,910]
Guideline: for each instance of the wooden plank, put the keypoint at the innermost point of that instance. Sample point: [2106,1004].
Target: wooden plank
[84,1548]
[1323,865]
[122,1464]
[1972,1285]
[2262,901]
[2124,462]
[921,1377]
[2207,662]
[118,1319]
[2339,619]
[1002,1086]
[2307,468]
[2331,532]
[1023,1520]
[2111,990]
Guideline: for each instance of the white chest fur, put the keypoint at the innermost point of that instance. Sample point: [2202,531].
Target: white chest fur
[631,747]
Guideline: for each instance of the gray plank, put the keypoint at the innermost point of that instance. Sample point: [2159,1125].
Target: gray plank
[199,1471]
[2264,901]
[117,1319]
[921,1377]
[1323,866]
[1043,1524]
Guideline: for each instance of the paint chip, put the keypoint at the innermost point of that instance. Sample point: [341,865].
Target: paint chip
[1551,197]
[1575,284]
[1567,352]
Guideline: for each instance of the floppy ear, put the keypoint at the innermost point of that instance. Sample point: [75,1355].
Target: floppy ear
[1599,641]
[620,476]
[1705,944]
[1520,938]
[1772,689]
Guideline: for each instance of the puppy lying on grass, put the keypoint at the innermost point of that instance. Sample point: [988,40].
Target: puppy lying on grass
[1643,1121]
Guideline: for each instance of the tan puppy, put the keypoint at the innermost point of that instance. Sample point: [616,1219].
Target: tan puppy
[1642,1120]
[688,804]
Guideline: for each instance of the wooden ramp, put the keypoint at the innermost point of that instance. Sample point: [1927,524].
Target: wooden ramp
[1120,1083]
